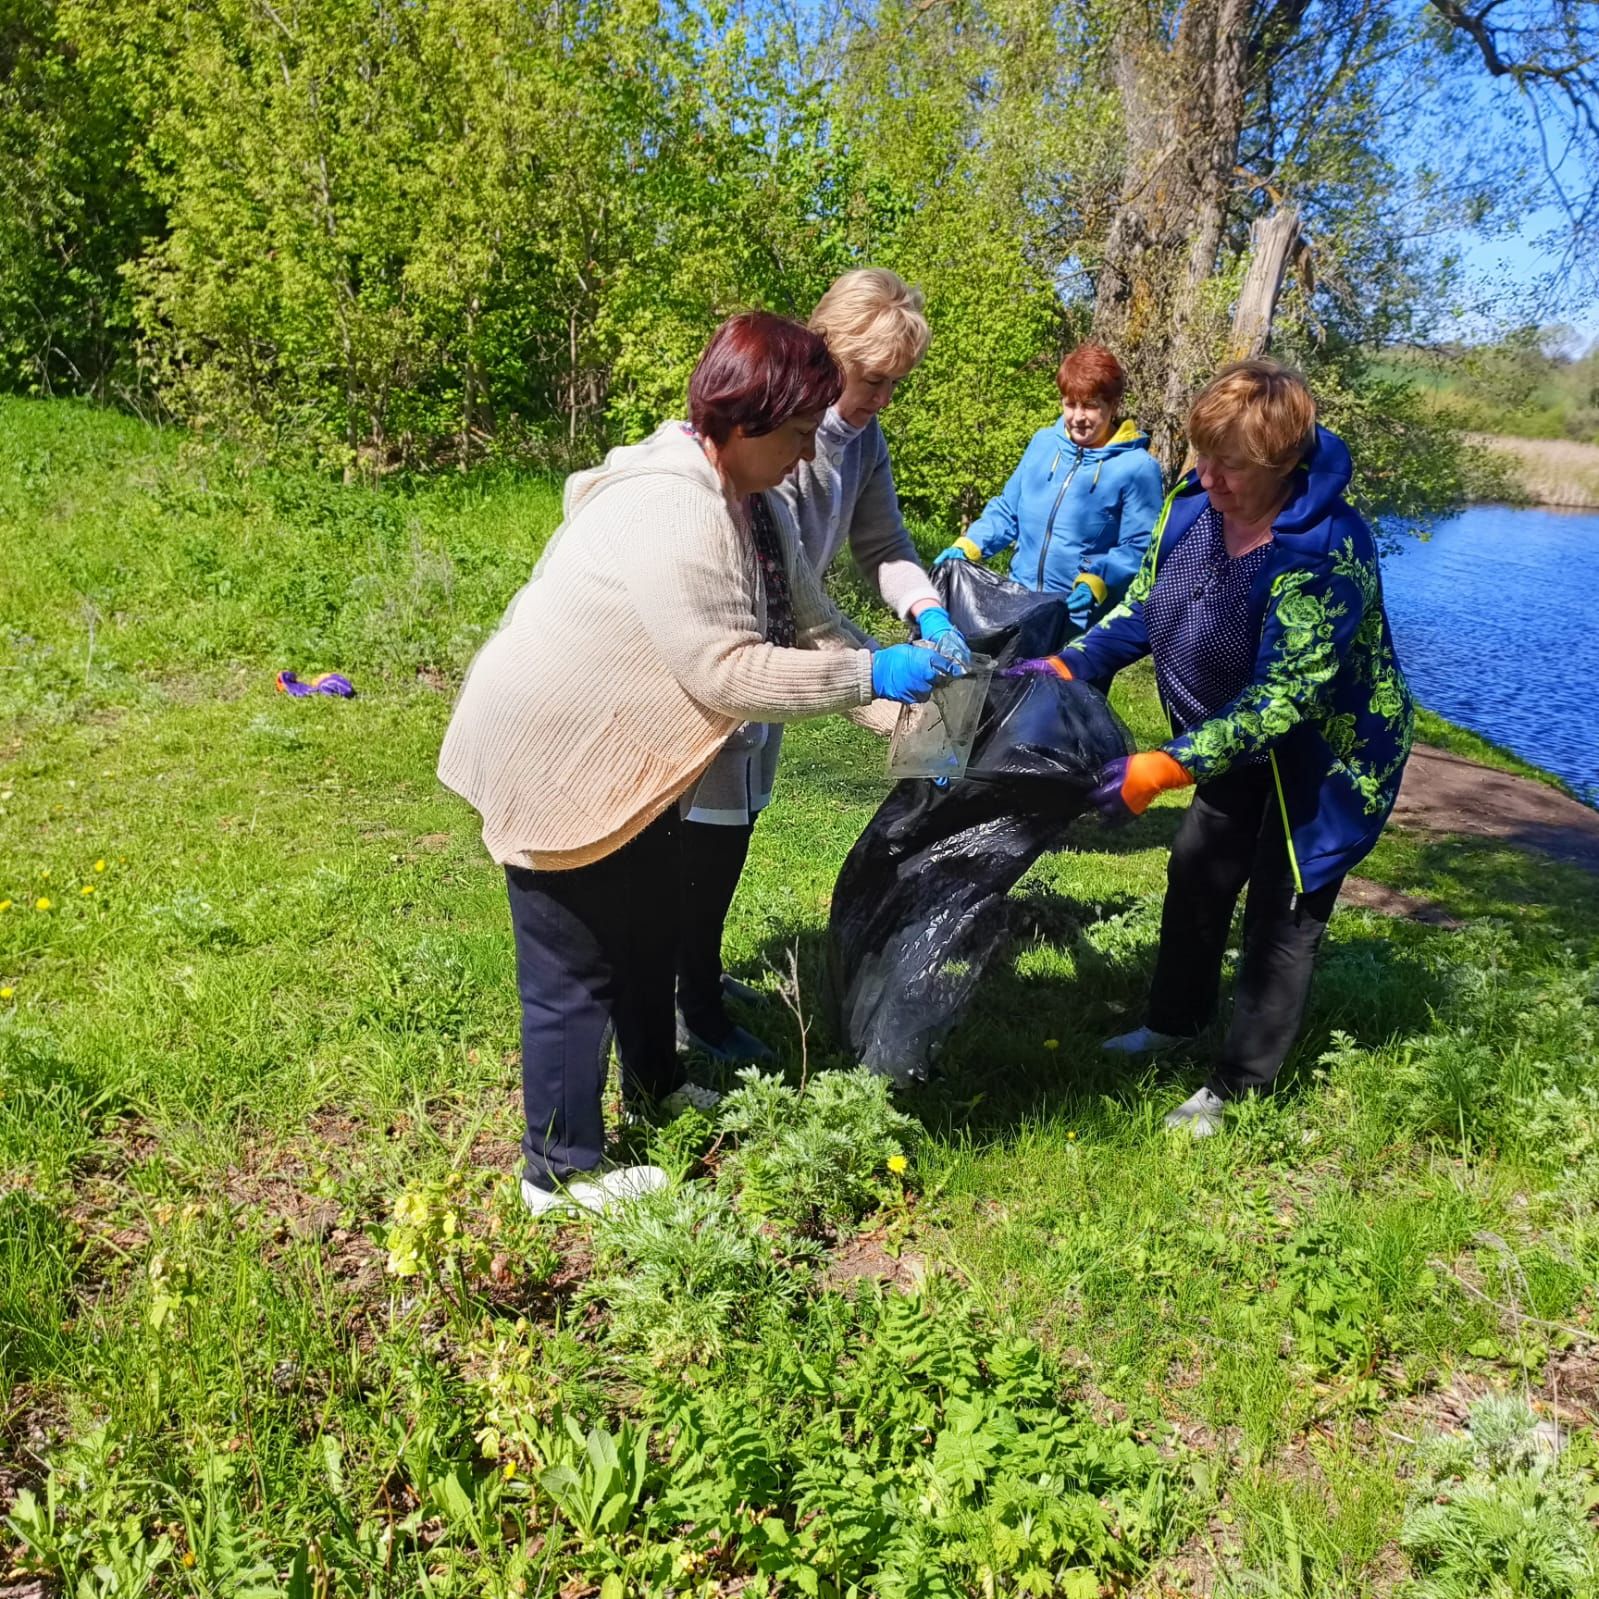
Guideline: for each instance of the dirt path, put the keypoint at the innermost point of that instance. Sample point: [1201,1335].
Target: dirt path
[1447,794]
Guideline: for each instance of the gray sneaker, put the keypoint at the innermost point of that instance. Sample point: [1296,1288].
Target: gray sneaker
[607,1186]
[1200,1114]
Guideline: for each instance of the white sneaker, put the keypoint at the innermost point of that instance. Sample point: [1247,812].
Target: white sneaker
[1142,1041]
[1200,1114]
[691,1096]
[609,1186]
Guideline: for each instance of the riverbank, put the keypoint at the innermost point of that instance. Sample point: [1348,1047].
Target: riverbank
[1555,472]
[271,1315]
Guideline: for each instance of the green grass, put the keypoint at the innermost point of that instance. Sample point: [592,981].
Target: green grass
[289,1000]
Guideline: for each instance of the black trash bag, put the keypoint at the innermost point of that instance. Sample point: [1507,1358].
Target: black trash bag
[1001,618]
[919,907]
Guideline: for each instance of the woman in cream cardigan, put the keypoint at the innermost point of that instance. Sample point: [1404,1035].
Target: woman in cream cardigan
[669,608]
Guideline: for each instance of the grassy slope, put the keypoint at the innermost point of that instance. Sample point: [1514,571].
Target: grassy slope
[291,991]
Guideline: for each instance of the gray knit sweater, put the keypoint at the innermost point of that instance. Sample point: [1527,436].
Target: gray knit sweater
[845,495]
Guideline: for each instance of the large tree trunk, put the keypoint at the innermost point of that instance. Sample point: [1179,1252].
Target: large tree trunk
[1183,102]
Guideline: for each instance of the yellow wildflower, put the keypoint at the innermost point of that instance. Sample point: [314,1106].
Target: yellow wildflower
[5,904]
[1071,1138]
[1051,1043]
[188,1557]
[99,866]
[509,1470]
[8,993]
[41,904]
[88,888]
[898,1165]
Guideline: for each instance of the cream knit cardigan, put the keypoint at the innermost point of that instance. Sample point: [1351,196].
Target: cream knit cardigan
[635,648]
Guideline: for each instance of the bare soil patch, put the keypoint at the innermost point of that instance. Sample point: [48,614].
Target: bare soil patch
[1448,796]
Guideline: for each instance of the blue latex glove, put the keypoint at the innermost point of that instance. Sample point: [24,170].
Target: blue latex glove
[953,553]
[908,673]
[1080,603]
[944,636]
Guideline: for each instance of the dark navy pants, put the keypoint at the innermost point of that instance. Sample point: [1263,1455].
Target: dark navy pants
[1231,835]
[713,859]
[596,948]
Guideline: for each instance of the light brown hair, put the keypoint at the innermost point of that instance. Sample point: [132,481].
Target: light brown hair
[1257,412]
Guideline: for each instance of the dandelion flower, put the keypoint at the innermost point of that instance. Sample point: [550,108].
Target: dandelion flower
[1051,1043]
[88,888]
[5,904]
[898,1165]
[8,993]
[188,1557]
[99,866]
[509,1470]
[1071,1137]
[41,904]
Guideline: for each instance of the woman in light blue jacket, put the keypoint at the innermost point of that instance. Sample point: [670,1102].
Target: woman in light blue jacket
[1080,506]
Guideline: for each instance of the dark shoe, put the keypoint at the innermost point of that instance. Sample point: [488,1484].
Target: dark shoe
[732,988]
[739,1048]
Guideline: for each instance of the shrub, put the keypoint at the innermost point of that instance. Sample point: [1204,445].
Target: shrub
[814,1158]
[1496,1512]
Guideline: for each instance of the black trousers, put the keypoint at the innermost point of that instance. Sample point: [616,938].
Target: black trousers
[595,947]
[713,859]
[1233,835]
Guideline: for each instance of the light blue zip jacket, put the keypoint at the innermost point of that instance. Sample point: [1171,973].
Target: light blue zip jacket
[1071,511]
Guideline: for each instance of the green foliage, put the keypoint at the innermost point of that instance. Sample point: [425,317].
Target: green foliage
[291,998]
[1497,1512]
[683,1274]
[814,1158]
[71,213]
[91,1531]
[431,1235]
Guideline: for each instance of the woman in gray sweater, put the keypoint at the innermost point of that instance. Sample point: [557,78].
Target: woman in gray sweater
[874,327]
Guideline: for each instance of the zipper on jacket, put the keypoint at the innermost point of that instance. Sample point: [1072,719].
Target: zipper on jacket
[1288,832]
[1049,526]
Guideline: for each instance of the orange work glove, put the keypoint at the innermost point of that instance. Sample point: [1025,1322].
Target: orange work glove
[1128,784]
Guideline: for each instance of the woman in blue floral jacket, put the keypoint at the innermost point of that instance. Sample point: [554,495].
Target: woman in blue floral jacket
[1260,600]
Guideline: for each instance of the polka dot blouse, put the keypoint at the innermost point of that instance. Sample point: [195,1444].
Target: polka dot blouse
[1197,616]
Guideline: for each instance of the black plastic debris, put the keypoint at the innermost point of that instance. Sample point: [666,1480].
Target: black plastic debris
[1000,618]
[919,907]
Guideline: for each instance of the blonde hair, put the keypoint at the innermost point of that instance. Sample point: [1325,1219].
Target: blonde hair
[872,321]
[1259,412]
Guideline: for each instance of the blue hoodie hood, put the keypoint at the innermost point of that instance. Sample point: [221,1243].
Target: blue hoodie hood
[1317,486]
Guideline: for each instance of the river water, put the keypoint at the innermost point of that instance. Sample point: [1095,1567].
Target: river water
[1496,626]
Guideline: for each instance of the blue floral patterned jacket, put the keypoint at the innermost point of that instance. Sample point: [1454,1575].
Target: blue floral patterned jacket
[1327,702]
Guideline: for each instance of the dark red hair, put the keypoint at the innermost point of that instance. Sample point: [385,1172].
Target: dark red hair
[1089,373]
[759,370]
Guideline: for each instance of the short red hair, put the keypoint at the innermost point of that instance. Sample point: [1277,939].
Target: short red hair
[1090,373]
[759,370]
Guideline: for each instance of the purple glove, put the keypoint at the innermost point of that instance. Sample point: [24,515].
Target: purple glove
[326,683]
[1106,795]
[1038,666]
